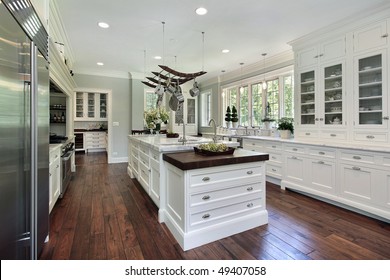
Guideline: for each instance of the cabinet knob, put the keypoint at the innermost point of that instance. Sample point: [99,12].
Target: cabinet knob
[386,118]
[249,205]
[307,133]
[294,157]
[249,172]
[370,136]
[295,149]
[356,168]
[356,157]
[273,157]
[206,197]
[206,216]
[317,119]
[321,153]
[206,179]
[385,35]
[273,169]
[321,162]
[249,189]
[333,135]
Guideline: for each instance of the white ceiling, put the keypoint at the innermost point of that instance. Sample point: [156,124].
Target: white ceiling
[247,28]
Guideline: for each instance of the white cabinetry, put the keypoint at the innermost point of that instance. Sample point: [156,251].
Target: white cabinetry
[341,88]
[203,205]
[54,175]
[90,106]
[187,112]
[95,141]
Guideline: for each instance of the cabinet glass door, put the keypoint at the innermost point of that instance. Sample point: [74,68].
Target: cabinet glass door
[103,105]
[91,105]
[179,114]
[79,104]
[307,97]
[190,111]
[333,94]
[370,90]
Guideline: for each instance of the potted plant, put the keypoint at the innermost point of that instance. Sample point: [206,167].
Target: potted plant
[267,122]
[228,117]
[286,127]
[234,117]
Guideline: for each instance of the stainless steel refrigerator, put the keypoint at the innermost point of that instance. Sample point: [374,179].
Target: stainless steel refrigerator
[24,131]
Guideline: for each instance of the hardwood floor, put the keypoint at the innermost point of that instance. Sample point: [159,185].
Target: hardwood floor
[107,215]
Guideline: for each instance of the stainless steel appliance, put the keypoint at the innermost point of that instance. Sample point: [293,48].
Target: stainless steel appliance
[66,172]
[24,131]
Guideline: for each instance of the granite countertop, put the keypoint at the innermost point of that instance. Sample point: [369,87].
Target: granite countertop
[90,130]
[191,160]
[163,144]
[346,145]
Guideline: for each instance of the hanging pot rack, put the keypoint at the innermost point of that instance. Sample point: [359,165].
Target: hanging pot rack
[169,76]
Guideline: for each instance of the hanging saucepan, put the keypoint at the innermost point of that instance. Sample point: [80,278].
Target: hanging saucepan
[178,93]
[173,103]
[195,90]
[159,101]
[159,90]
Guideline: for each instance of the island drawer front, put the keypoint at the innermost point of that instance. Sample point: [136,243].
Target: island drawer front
[334,135]
[220,195]
[144,159]
[229,175]
[154,155]
[254,148]
[144,149]
[144,175]
[294,149]
[54,155]
[357,157]
[248,144]
[275,157]
[135,144]
[226,213]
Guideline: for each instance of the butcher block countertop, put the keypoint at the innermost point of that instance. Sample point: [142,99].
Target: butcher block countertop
[191,160]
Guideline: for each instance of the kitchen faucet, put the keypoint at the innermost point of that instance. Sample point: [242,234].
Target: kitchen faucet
[183,139]
[215,130]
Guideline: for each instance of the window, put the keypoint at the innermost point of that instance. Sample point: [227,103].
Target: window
[244,106]
[273,99]
[150,100]
[288,97]
[206,108]
[257,104]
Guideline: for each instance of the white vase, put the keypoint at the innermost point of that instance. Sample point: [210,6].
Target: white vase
[285,134]
[228,124]
[235,124]
[267,125]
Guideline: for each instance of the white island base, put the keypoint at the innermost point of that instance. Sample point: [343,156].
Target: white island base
[203,205]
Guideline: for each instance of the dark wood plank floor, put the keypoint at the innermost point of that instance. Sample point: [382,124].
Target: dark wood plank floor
[106,215]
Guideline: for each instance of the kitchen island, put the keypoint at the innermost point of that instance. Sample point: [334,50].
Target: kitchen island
[211,197]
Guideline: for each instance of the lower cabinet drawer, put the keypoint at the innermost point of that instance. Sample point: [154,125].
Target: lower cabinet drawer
[337,135]
[273,170]
[371,137]
[205,198]
[206,178]
[221,214]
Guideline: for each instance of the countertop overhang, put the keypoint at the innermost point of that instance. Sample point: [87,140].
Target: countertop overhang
[191,160]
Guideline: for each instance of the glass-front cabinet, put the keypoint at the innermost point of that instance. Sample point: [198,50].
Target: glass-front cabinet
[90,106]
[333,95]
[371,91]
[307,98]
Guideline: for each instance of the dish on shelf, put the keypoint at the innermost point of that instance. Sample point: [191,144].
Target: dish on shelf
[376,107]
[335,109]
[366,68]
[203,152]
[308,79]
[310,111]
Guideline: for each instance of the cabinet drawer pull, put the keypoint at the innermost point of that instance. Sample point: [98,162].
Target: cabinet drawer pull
[249,205]
[356,168]
[57,166]
[385,35]
[273,169]
[294,157]
[206,197]
[253,144]
[249,189]
[356,157]
[321,153]
[206,179]
[206,216]
[386,118]
[307,133]
[295,149]
[321,162]
[370,136]
[274,147]
[249,172]
[333,135]
[273,157]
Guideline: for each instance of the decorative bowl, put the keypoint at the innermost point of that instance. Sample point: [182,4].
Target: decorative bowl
[202,152]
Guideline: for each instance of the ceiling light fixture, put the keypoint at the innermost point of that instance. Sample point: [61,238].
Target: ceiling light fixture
[225,51]
[103,24]
[264,82]
[100,63]
[157,57]
[201,11]
[241,87]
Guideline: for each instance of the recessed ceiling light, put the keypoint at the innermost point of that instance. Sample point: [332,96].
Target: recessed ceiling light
[103,25]
[201,11]
[100,63]
[157,57]
[225,51]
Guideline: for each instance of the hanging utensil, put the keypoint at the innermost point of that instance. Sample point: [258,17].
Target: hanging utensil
[195,89]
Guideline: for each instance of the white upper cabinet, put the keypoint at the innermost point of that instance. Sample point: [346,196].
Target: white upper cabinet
[321,53]
[188,113]
[90,106]
[371,37]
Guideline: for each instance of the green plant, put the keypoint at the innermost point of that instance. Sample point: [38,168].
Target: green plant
[228,115]
[286,124]
[234,114]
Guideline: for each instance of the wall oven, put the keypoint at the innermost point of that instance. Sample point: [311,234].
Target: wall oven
[66,172]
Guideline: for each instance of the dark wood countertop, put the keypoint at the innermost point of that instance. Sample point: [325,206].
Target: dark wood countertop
[190,160]
[90,130]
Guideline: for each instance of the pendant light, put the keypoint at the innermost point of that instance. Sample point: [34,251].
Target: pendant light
[264,82]
[241,88]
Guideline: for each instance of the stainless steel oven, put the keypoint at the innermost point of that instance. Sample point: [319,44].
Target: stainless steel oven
[66,170]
